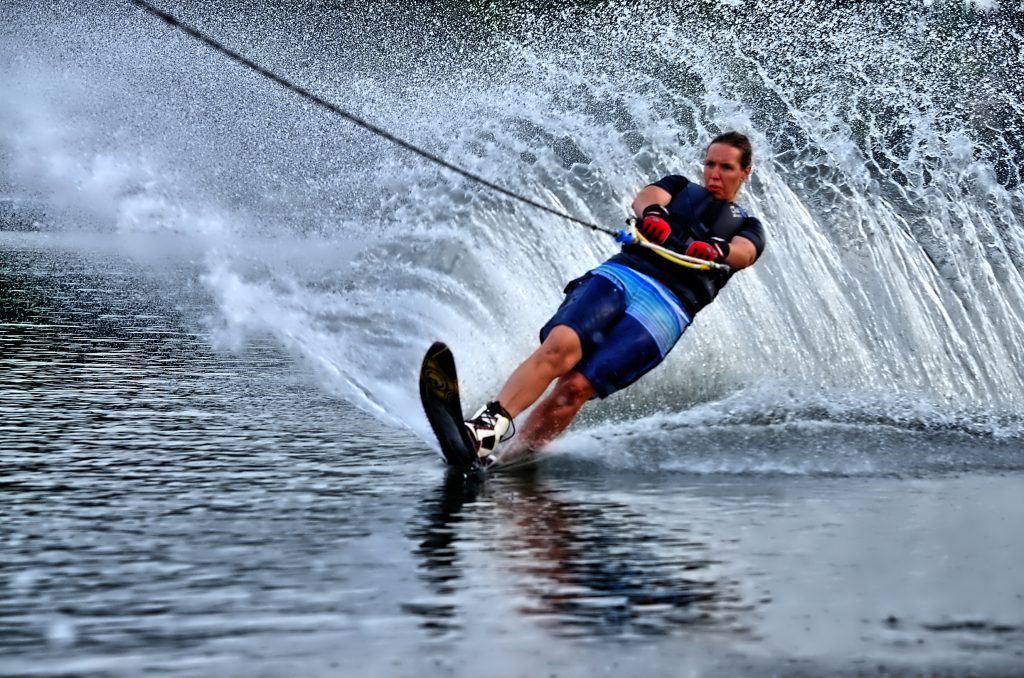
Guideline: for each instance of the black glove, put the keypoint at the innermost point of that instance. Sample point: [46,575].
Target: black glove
[654,223]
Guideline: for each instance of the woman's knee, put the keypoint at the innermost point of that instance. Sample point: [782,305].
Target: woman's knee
[574,389]
[561,350]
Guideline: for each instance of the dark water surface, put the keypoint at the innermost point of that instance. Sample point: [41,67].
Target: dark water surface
[168,508]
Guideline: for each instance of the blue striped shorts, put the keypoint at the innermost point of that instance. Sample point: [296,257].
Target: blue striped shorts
[651,303]
[627,323]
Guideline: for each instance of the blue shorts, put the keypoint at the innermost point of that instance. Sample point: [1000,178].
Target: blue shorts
[627,323]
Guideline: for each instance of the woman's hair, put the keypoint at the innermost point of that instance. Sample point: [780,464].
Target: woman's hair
[739,141]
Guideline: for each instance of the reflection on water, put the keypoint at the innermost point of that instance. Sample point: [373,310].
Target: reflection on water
[436,535]
[587,568]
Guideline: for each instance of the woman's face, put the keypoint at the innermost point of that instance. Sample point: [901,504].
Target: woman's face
[723,174]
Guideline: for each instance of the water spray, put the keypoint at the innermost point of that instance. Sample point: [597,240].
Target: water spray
[623,235]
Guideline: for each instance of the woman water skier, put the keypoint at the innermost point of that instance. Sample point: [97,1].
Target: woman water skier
[620,320]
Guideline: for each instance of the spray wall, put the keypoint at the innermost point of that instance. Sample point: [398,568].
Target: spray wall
[887,145]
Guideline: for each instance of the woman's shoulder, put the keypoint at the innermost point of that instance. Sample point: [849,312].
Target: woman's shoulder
[673,183]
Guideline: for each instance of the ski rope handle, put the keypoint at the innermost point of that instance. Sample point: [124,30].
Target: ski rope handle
[633,237]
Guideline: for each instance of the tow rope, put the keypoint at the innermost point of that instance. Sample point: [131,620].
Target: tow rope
[621,235]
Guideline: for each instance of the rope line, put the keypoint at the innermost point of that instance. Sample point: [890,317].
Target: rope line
[174,22]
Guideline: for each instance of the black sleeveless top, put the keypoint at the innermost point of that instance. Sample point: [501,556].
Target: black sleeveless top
[694,214]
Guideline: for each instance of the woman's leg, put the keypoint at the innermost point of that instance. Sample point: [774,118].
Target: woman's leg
[554,358]
[554,414]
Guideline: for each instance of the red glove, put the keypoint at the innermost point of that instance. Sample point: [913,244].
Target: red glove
[714,250]
[654,224]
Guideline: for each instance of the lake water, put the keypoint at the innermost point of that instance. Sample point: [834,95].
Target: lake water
[172,509]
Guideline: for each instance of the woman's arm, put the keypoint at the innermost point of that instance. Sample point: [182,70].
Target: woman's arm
[649,196]
[742,253]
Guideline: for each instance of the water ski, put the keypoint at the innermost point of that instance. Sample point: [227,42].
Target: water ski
[439,393]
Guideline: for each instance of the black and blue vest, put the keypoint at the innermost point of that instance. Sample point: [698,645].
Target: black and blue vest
[694,214]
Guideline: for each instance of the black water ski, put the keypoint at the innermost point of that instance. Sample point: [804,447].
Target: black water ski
[439,393]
